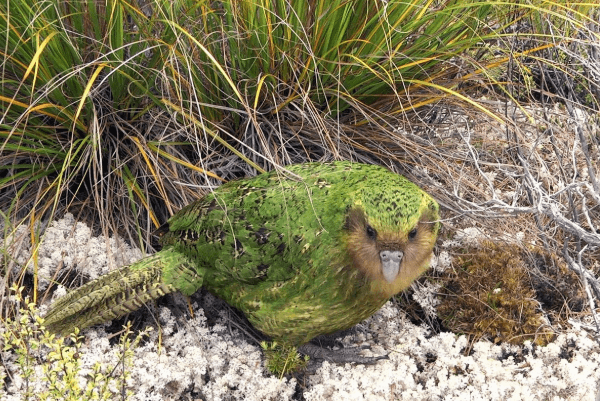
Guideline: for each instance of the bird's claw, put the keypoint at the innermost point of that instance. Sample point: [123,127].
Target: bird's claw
[344,355]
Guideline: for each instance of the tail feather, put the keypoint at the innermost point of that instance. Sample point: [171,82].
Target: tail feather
[115,294]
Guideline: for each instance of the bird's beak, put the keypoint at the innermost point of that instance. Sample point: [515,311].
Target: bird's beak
[390,264]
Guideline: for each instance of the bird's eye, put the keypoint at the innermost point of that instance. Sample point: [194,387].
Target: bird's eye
[412,234]
[371,233]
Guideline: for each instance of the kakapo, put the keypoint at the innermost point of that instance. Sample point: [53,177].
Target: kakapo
[303,252]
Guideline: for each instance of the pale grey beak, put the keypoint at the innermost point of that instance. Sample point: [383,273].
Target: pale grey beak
[390,263]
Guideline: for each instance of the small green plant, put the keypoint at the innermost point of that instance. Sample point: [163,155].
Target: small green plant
[50,367]
[283,359]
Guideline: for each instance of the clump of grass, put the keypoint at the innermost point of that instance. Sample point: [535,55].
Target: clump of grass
[46,367]
[129,108]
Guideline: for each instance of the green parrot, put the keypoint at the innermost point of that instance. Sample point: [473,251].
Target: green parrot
[304,252]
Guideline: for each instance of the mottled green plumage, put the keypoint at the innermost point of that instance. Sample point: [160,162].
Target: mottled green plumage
[301,254]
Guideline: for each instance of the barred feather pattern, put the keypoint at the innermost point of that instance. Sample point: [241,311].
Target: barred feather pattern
[115,294]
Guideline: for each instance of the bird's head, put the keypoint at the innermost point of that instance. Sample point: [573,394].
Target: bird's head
[391,234]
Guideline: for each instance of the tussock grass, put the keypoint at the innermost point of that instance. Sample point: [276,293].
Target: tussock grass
[124,110]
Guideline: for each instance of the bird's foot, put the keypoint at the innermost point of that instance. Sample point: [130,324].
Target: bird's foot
[344,355]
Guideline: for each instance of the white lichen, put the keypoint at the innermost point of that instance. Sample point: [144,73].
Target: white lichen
[184,357]
[69,245]
[425,294]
